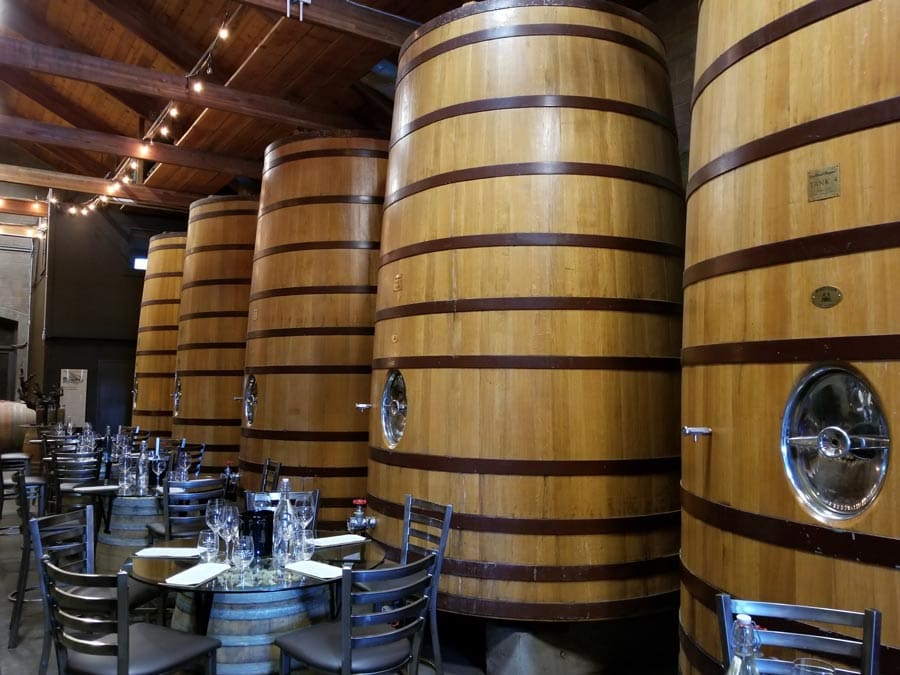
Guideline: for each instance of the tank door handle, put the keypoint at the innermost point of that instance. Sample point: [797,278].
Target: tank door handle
[835,442]
[696,432]
[363,407]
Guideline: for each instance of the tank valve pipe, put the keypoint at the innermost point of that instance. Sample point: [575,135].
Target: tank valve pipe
[696,432]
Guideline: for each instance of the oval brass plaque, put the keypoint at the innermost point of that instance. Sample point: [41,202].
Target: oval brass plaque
[826,296]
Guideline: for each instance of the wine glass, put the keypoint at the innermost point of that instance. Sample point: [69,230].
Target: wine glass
[184,463]
[214,513]
[231,526]
[303,545]
[158,464]
[208,543]
[244,551]
[304,509]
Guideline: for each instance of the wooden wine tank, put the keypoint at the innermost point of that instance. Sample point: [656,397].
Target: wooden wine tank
[212,328]
[312,306]
[154,364]
[792,238]
[529,296]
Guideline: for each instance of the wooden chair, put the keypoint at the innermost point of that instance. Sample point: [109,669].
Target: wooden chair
[93,634]
[379,631]
[865,652]
[184,509]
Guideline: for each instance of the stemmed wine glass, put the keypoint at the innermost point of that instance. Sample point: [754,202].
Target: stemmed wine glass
[184,463]
[244,552]
[231,526]
[214,512]
[158,464]
[303,507]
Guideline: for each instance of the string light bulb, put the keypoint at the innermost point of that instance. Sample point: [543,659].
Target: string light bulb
[173,112]
[104,198]
[126,179]
[84,211]
[133,164]
[224,32]
[92,206]
[72,210]
[54,200]
[164,131]
[197,85]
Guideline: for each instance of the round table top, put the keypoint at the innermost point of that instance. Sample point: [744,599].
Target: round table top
[261,576]
[110,486]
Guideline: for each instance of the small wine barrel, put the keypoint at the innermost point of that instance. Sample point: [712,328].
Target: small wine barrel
[248,623]
[312,307]
[128,531]
[529,298]
[154,364]
[792,238]
[14,415]
[212,328]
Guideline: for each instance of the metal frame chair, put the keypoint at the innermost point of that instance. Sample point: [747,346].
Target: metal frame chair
[184,513]
[865,651]
[84,623]
[25,494]
[379,631]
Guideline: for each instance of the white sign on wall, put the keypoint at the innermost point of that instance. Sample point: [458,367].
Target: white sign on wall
[73,385]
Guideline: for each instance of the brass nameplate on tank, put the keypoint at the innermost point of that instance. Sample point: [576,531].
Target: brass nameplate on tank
[823,183]
[826,296]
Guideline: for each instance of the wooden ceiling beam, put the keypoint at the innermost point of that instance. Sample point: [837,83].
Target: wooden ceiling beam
[19,129]
[78,66]
[150,30]
[349,17]
[20,20]
[62,158]
[47,97]
[23,207]
[139,194]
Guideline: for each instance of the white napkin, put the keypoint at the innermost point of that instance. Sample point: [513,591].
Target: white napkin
[197,574]
[339,540]
[316,569]
[162,552]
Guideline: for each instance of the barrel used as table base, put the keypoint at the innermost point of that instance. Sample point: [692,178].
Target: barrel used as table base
[128,531]
[248,623]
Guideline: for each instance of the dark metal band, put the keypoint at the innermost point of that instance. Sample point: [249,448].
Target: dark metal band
[529,30]
[152,329]
[556,239]
[319,369]
[555,611]
[224,213]
[320,134]
[222,447]
[364,200]
[309,331]
[868,549]
[210,373]
[273,161]
[813,247]
[799,350]
[535,101]
[311,436]
[216,248]
[211,345]
[635,305]
[316,246]
[155,375]
[206,422]
[563,527]
[472,8]
[156,352]
[224,199]
[230,314]
[772,32]
[696,655]
[166,235]
[534,169]
[526,467]
[152,413]
[167,301]
[823,129]
[313,290]
[515,362]
[164,247]
[233,281]
[162,275]
[323,471]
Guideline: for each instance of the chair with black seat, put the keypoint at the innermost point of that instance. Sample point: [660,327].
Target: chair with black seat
[184,509]
[788,626]
[67,470]
[379,631]
[93,633]
[12,462]
[67,539]
[269,479]
[194,451]
[26,497]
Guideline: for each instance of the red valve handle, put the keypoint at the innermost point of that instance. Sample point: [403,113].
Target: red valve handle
[359,502]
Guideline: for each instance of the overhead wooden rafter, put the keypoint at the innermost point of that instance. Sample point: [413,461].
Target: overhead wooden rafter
[16,128]
[349,17]
[139,194]
[19,19]
[56,157]
[23,207]
[64,63]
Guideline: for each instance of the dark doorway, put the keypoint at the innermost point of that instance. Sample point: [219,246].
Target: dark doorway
[8,331]
[114,380]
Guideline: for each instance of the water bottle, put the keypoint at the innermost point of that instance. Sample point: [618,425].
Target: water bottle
[143,470]
[746,646]
[283,525]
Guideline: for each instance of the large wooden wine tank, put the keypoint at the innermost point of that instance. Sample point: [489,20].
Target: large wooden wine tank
[528,320]
[791,335]
[312,310]
[154,364]
[212,328]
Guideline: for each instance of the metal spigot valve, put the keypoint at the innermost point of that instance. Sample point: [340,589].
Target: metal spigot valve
[358,520]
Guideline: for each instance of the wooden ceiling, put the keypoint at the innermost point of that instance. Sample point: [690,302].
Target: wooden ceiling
[84,82]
